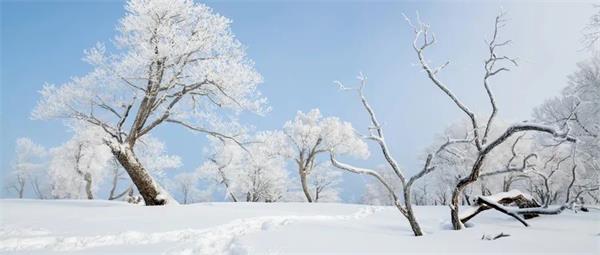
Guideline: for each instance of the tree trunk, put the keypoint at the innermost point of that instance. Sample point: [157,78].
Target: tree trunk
[21,187]
[573,177]
[88,186]
[149,189]
[304,183]
[454,203]
[410,216]
[460,187]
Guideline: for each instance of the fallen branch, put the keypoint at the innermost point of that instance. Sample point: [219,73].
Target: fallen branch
[513,197]
[501,208]
[526,206]
[485,237]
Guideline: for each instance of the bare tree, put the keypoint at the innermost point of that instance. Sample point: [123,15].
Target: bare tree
[493,65]
[376,134]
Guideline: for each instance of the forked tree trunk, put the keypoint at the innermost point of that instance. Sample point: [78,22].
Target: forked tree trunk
[149,189]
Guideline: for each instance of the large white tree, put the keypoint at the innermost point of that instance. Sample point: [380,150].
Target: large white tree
[311,135]
[175,62]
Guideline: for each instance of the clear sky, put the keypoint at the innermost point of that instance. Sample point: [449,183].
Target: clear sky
[300,47]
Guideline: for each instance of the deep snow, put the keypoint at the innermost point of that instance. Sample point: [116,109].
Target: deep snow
[102,227]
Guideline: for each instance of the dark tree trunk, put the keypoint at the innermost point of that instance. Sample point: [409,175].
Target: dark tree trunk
[148,188]
[410,216]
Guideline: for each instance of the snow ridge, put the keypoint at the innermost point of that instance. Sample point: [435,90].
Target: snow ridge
[220,239]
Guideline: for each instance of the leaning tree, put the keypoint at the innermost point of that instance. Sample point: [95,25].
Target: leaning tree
[485,145]
[175,62]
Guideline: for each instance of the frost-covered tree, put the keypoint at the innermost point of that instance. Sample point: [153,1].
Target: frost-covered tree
[28,167]
[311,135]
[175,62]
[549,181]
[78,166]
[252,173]
[485,144]
[578,109]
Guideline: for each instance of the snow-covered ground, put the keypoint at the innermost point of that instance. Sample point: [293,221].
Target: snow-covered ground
[102,227]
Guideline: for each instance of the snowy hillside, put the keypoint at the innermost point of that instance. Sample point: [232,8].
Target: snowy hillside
[101,227]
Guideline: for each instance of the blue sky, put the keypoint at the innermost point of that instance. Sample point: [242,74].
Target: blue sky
[300,48]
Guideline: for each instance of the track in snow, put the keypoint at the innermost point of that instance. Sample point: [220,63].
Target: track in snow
[221,239]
